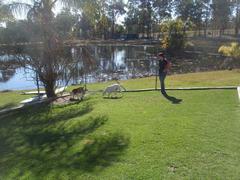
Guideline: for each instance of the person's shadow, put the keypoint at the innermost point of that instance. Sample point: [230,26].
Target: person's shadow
[172,99]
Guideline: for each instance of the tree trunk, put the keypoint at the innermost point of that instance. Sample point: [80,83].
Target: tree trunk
[205,32]
[49,88]
[220,32]
[237,23]
[236,30]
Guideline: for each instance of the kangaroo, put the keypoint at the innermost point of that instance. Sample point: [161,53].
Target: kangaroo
[114,88]
[79,92]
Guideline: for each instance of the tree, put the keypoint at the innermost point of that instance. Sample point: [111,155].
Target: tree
[197,11]
[15,32]
[85,26]
[235,4]
[64,22]
[103,26]
[163,9]
[185,9]
[206,14]
[143,16]
[146,16]
[132,18]
[221,14]
[52,58]
[174,36]
[5,13]
[115,8]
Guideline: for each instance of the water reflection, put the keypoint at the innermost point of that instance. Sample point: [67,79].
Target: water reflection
[19,80]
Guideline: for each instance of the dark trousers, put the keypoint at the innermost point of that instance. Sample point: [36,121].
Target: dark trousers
[162,77]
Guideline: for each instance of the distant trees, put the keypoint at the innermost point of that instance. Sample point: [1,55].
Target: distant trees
[144,15]
[221,14]
[173,36]
[103,26]
[98,19]
[115,9]
[206,15]
[15,32]
[5,13]
[235,6]
[132,18]
[197,11]
[64,22]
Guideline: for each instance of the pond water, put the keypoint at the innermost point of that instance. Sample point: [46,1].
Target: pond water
[19,81]
[120,63]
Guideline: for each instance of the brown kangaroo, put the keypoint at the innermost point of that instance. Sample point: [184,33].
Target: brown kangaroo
[79,92]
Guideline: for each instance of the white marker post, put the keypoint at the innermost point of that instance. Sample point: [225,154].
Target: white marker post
[238,89]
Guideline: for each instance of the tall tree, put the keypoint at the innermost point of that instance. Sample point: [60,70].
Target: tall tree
[64,22]
[146,16]
[185,9]
[52,58]
[206,16]
[5,13]
[132,18]
[163,9]
[221,14]
[115,9]
[197,11]
[103,26]
[143,15]
[235,4]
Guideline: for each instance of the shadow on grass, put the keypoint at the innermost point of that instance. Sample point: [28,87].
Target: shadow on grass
[116,97]
[102,150]
[42,142]
[7,106]
[49,136]
[172,99]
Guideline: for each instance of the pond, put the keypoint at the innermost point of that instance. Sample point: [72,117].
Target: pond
[120,63]
[21,79]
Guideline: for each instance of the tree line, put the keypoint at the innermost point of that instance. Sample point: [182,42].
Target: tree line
[99,19]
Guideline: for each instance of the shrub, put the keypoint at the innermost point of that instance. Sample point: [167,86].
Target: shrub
[232,50]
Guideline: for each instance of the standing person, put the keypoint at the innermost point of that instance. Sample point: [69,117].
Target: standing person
[164,66]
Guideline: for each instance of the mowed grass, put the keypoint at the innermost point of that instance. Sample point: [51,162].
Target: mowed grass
[140,136]
[202,79]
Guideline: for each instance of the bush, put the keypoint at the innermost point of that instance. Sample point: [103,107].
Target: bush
[232,50]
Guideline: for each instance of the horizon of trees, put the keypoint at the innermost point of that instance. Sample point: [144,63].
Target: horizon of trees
[98,18]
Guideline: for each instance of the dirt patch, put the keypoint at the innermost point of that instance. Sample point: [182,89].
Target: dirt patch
[64,100]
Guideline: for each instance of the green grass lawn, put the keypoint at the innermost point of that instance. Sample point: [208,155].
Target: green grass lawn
[214,78]
[140,136]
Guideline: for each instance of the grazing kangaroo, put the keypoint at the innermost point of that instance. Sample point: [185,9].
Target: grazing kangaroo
[114,88]
[79,92]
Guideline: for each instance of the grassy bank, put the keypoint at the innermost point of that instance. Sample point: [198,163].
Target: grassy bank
[215,78]
[140,136]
